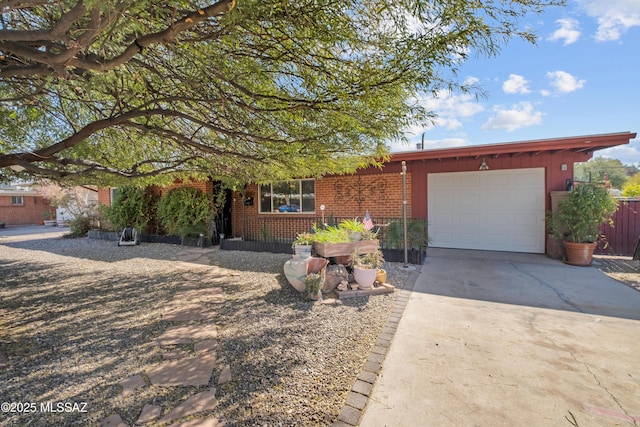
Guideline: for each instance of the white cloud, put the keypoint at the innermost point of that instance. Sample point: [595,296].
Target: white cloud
[627,154]
[512,118]
[447,105]
[565,82]
[569,31]
[614,17]
[515,84]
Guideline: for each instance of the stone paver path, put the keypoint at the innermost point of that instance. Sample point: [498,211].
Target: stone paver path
[194,371]
[194,309]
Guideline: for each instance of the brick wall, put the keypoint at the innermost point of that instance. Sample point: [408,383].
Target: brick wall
[347,196]
[30,212]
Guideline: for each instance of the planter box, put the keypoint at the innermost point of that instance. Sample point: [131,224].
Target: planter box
[397,255]
[253,246]
[327,250]
[104,235]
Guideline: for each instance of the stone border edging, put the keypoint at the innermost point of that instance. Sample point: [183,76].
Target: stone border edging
[358,397]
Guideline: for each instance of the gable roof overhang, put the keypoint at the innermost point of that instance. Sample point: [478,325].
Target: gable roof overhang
[587,144]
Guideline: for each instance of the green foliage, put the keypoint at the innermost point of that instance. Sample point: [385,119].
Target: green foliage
[595,169]
[185,211]
[312,285]
[79,226]
[132,207]
[417,238]
[256,90]
[582,212]
[631,190]
[634,179]
[367,261]
[303,239]
[352,225]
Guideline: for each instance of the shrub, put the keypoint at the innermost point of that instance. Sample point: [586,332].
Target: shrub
[185,211]
[132,207]
[79,226]
[631,190]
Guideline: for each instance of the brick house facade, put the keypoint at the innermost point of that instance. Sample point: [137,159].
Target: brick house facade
[492,171]
[23,207]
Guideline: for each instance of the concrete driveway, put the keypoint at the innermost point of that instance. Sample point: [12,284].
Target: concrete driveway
[492,339]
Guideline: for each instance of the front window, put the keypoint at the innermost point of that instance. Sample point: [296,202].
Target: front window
[297,196]
[17,200]
[113,193]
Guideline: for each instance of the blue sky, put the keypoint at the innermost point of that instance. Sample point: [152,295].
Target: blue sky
[582,78]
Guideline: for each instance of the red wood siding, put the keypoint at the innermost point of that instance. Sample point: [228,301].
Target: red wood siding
[555,177]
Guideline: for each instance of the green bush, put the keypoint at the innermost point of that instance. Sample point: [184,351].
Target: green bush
[417,237]
[80,225]
[631,190]
[585,208]
[132,207]
[185,212]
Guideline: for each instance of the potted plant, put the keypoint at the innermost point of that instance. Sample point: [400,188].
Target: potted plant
[354,228]
[302,244]
[312,285]
[577,220]
[334,241]
[365,267]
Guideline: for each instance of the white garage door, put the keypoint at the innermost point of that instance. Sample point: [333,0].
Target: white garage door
[501,210]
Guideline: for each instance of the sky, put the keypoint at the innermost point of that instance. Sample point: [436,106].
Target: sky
[581,78]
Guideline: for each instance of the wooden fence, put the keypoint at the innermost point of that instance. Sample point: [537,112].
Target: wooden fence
[621,238]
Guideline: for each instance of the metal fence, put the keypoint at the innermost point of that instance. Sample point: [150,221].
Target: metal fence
[284,229]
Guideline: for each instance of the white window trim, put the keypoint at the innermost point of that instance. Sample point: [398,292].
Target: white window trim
[112,195]
[271,212]
[21,198]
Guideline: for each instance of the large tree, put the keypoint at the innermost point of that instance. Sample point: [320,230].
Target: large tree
[248,90]
[601,169]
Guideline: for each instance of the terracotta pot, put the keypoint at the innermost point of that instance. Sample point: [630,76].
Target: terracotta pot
[579,254]
[297,268]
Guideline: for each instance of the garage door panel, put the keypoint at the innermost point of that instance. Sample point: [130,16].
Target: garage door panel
[491,210]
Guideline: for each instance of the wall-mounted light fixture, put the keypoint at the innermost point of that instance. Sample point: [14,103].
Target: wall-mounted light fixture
[483,166]
[563,167]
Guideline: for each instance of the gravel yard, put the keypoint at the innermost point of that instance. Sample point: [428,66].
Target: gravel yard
[79,316]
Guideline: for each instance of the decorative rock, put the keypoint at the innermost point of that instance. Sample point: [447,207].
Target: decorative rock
[131,383]
[336,274]
[197,403]
[148,414]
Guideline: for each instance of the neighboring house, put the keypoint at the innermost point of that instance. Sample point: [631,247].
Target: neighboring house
[78,201]
[489,197]
[23,205]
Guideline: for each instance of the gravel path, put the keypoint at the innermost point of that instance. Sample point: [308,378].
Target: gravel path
[77,317]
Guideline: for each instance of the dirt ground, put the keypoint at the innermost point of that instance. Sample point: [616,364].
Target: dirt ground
[622,269]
